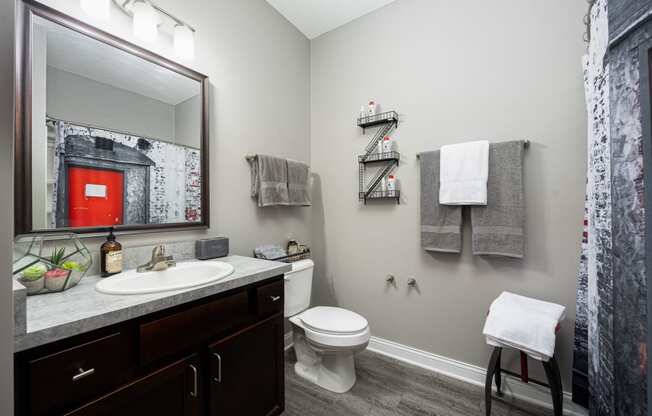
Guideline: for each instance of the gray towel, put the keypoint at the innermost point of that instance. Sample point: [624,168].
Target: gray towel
[298,183]
[498,227]
[270,183]
[441,225]
[255,180]
[269,252]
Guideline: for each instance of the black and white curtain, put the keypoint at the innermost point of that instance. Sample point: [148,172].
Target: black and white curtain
[593,356]
[610,350]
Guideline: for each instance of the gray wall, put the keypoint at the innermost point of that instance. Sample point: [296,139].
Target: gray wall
[75,98]
[39,129]
[455,71]
[187,122]
[259,69]
[6,204]
[78,99]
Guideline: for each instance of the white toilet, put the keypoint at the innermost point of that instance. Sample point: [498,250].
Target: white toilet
[325,338]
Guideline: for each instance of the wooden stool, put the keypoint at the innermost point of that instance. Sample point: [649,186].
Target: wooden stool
[552,373]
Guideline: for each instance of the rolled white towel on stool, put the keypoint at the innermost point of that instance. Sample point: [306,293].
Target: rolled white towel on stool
[524,323]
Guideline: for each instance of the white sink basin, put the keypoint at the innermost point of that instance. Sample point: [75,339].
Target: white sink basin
[181,276]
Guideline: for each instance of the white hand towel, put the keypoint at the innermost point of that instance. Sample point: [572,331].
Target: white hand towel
[464,172]
[524,323]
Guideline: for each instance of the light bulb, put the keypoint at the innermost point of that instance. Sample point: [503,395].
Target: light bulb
[97,9]
[145,21]
[184,42]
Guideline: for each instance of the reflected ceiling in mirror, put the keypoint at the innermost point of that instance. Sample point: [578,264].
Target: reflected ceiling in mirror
[117,134]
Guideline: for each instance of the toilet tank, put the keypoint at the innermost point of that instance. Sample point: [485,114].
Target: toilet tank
[298,286]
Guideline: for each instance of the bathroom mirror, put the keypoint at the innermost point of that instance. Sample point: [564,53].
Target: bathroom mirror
[108,134]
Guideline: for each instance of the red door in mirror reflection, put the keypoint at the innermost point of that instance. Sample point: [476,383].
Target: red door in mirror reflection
[95,197]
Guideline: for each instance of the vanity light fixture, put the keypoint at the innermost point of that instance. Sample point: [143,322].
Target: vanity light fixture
[97,9]
[145,21]
[184,42]
[149,19]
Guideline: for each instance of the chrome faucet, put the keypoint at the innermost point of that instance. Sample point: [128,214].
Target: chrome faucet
[158,262]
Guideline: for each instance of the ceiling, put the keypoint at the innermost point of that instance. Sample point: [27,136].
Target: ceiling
[316,17]
[73,52]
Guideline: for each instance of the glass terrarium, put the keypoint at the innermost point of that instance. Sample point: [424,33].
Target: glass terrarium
[50,263]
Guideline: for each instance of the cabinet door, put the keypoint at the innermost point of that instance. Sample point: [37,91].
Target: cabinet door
[247,371]
[171,391]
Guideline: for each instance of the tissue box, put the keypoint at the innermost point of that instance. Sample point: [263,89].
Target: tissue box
[212,248]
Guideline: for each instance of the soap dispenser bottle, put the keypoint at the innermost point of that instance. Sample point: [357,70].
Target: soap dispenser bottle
[111,256]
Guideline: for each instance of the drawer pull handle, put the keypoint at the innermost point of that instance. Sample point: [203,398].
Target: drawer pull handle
[218,378]
[275,298]
[193,393]
[83,374]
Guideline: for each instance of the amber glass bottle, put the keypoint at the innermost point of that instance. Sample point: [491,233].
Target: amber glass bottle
[111,256]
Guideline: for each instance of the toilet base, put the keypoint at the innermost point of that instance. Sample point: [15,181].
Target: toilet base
[332,370]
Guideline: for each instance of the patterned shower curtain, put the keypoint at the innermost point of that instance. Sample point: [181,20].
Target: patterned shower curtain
[593,381]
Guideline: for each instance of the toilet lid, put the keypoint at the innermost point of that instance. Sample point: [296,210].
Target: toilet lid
[333,320]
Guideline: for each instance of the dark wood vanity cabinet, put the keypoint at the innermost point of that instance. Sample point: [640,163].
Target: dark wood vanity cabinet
[246,371]
[173,390]
[218,356]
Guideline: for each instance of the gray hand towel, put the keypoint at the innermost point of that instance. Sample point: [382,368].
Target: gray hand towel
[298,183]
[255,180]
[271,181]
[441,225]
[499,227]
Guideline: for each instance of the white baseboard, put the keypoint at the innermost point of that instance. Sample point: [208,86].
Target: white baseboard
[512,387]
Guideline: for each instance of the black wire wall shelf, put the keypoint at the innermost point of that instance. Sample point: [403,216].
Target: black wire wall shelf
[379,157]
[381,118]
[390,160]
[381,195]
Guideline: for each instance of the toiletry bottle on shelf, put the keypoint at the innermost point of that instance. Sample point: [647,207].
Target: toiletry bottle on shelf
[111,256]
[387,144]
[392,184]
[363,113]
[372,108]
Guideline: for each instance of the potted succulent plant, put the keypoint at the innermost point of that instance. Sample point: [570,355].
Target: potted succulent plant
[56,277]
[32,278]
[67,261]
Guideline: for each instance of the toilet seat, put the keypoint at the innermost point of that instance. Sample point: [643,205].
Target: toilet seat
[335,321]
[333,327]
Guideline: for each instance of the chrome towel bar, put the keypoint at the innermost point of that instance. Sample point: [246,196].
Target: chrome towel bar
[526,144]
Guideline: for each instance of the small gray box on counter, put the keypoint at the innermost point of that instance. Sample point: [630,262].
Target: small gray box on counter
[212,248]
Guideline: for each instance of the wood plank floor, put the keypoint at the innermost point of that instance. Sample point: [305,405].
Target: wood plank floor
[386,387]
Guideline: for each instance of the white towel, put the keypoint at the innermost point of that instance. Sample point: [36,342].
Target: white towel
[464,172]
[524,323]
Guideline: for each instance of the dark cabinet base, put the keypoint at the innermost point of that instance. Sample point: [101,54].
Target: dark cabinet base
[170,391]
[248,361]
[218,356]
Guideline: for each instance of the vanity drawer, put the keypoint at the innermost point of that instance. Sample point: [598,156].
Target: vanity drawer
[271,298]
[68,378]
[180,331]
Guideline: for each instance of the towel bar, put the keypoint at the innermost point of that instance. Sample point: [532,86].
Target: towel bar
[526,144]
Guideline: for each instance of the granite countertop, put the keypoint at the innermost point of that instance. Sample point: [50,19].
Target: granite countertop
[56,316]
